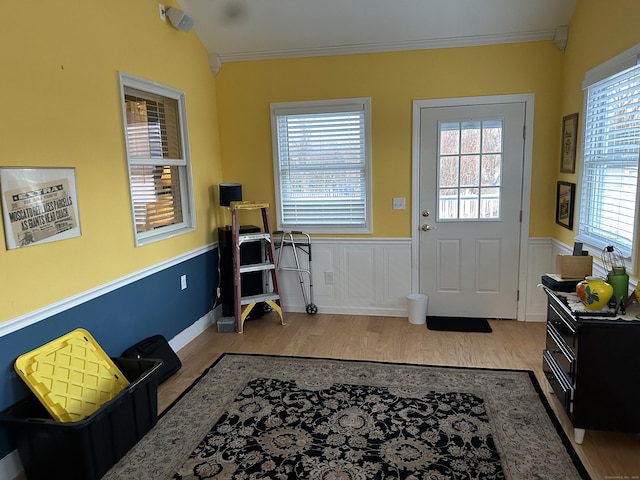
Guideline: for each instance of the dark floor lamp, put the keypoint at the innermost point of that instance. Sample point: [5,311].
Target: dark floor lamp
[230,192]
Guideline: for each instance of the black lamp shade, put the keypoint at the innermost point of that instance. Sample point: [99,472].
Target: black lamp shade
[230,192]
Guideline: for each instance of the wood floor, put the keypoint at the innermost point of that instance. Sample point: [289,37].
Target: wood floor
[516,345]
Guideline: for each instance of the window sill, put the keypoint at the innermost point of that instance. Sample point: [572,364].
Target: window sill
[156,237]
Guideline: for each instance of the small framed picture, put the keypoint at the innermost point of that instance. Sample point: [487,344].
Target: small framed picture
[569,139]
[565,199]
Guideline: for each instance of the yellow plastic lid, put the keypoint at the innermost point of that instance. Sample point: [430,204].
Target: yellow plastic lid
[72,376]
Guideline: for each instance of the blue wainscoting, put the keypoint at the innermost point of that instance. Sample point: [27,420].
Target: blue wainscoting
[150,304]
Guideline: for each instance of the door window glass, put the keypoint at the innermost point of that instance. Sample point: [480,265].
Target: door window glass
[470,167]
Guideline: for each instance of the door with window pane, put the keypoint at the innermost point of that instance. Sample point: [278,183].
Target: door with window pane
[471,162]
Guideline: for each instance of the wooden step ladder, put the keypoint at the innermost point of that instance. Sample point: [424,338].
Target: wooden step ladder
[244,305]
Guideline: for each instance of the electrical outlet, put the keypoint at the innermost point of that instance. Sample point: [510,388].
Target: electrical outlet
[399,203]
[183,282]
[328,278]
[163,12]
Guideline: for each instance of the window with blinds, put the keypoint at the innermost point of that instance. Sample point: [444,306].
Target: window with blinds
[609,178]
[158,162]
[321,165]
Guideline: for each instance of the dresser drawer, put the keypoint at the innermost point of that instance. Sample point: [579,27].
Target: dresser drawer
[561,352]
[562,322]
[558,380]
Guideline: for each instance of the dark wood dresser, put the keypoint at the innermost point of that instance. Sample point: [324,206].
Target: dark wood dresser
[593,366]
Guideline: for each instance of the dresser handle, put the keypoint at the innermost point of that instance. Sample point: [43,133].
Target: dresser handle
[562,319]
[557,339]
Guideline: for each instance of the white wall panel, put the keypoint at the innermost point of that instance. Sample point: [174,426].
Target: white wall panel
[373,276]
[360,274]
[324,258]
[370,277]
[397,263]
[540,262]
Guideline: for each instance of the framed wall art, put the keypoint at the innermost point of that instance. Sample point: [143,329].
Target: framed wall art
[569,139]
[39,205]
[565,200]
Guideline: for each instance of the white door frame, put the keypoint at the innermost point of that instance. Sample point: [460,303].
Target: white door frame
[528,100]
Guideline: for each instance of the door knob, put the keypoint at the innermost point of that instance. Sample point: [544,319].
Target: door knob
[425,213]
[425,227]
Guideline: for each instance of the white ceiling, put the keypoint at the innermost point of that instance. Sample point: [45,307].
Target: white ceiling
[261,29]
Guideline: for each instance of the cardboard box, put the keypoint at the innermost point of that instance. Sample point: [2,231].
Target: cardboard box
[574,267]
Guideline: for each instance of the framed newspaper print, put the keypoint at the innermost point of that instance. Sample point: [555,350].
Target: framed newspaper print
[39,205]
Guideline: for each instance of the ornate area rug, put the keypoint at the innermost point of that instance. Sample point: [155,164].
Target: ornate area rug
[276,417]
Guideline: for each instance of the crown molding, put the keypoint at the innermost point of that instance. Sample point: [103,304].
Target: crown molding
[452,42]
[215,63]
[560,38]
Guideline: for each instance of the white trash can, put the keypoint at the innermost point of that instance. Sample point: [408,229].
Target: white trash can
[417,305]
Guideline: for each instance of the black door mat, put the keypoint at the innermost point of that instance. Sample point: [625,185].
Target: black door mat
[458,324]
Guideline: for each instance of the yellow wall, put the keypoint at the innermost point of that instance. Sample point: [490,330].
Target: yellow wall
[61,107]
[599,30]
[393,81]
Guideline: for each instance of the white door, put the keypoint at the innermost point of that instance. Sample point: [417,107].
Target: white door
[470,197]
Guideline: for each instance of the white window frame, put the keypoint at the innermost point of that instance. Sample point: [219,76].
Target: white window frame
[596,244]
[188,223]
[323,106]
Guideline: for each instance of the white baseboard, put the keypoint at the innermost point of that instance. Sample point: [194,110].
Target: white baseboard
[533,317]
[341,310]
[189,333]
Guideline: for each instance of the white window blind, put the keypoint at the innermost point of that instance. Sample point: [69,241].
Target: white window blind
[611,152]
[158,160]
[321,165]
[152,134]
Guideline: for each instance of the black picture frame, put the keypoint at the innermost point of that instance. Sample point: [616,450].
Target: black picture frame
[569,140]
[565,201]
